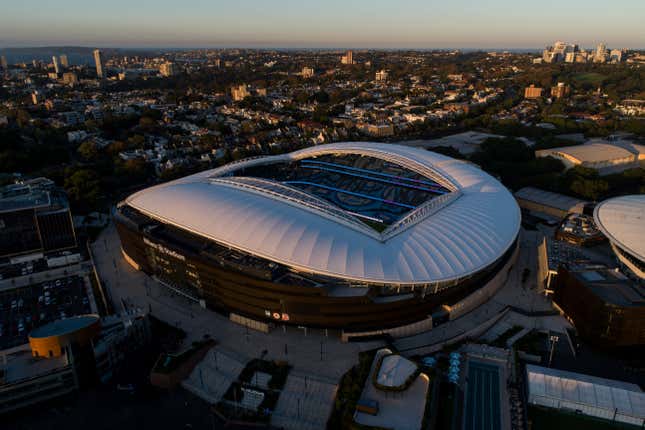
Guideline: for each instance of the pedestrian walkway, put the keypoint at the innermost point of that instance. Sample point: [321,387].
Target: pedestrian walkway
[305,403]
[213,375]
[311,352]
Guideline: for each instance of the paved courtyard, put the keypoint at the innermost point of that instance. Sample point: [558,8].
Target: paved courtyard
[501,311]
[401,410]
[213,375]
[319,355]
[305,403]
[312,353]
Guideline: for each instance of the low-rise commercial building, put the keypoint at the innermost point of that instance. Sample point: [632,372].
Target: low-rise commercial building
[607,308]
[605,158]
[67,355]
[533,92]
[548,203]
[607,399]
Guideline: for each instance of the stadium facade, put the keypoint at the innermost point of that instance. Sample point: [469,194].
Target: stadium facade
[353,236]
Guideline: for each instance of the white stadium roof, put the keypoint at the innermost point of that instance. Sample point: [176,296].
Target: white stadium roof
[622,220]
[445,239]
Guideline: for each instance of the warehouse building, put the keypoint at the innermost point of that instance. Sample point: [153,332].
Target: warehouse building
[603,157]
[544,202]
[576,393]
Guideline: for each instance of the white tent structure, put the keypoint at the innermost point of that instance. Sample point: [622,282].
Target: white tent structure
[597,397]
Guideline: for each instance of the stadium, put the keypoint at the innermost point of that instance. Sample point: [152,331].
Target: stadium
[362,237]
[622,220]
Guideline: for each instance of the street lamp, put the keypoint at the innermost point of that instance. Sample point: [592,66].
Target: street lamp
[553,339]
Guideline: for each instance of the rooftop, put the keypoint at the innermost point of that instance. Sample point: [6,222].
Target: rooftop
[30,194]
[592,152]
[560,385]
[622,220]
[548,198]
[448,237]
[611,286]
[21,365]
[64,326]
[395,370]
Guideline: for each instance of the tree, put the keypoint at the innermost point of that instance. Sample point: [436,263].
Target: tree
[83,188]
[22,118]
[147,123]
[88,150]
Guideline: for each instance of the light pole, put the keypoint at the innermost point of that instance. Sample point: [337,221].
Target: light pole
[553,339]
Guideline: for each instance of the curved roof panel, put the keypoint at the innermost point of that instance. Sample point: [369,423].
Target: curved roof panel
[622,220]
[460,236]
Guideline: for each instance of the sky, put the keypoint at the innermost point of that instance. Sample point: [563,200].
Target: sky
[419,24]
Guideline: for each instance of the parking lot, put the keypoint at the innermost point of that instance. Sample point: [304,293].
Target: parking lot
[22,309]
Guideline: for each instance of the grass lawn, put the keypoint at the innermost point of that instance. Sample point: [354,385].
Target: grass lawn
[590,77]
[550,419]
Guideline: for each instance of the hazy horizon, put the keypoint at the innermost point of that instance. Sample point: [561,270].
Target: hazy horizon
[289,24]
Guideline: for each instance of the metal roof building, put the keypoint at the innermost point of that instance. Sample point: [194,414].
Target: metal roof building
[443,240]
[597,397]
[603,157]
[547,202]
[622,220]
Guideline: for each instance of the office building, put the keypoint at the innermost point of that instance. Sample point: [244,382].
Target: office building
[376,130]
[601,55]
[307,72]
[70,78]
[167,69]
[348,58]
[98,61]
[67,355]
[36,97]
[278,239]
[56,65]
[559,52]
[381,76]
[533,92]
[240,92]
[3,63]
[616,55]
[606,307]
[35,218]
[560,90]
[63,61]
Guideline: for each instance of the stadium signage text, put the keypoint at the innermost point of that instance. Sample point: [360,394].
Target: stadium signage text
[163,249]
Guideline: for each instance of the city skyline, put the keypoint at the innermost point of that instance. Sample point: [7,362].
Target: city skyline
[286,24]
